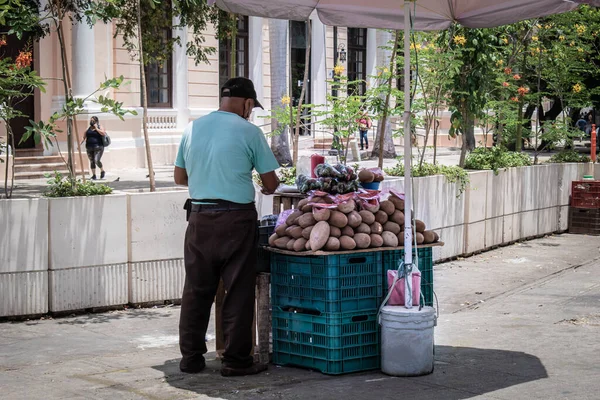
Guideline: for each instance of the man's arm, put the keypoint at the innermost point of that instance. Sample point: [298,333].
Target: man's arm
[270,182]
[181,176]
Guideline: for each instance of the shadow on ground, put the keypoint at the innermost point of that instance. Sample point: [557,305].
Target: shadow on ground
[460,373]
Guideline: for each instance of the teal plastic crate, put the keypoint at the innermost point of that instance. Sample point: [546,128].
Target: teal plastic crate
[391,260]
[328,284]
[334,344]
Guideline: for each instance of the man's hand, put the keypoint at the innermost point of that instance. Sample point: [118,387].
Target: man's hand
[270,182]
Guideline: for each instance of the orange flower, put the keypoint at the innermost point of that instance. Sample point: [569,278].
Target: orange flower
[517,76]
[505,84]
[508,71]
[514,99]
[24,59]
[522,91]
[2,42]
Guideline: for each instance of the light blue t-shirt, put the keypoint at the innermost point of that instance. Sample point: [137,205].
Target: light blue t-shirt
[219,152]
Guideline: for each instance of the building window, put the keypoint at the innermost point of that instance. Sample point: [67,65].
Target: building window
[159,80]
[357,60]
[242,55]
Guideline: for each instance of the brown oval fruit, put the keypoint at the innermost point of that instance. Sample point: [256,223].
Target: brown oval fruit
[398,202]
[347,243]
[302,203]
[338,219]
[335,231]
[387,207]
[293,217]
[347,231]
[321,214]
[306,232]
[347,206]
[354,219]
[319,235]
[397,217]
[280,230]
[376,240]
[294,231]
[420,226]
[429,236]
[389,239]
[272,239]
[333,244]
[362,240]
[307,219]
[376,228]
[290,244]
[300,244]
[366,176]
[420,238]
[363,228]
[381,217]
[282,242]
[367,217]
[392,227]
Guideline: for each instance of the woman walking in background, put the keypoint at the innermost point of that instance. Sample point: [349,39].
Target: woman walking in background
[364,124]
[94,146]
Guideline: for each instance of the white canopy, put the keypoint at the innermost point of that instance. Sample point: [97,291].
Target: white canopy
[389,14]
[397,14]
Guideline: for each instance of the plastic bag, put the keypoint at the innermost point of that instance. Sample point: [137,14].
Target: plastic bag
[326,171]
[397,296]
[283,217]
[367,199]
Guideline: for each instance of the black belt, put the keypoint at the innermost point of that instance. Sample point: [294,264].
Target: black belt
[220,205]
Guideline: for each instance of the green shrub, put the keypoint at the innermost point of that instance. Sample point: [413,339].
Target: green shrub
[569,156]
[453,173]
[62,187]
[495,158]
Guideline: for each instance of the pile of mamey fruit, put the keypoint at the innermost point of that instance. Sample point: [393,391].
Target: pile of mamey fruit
[346,222]
[332,179]
[370,175]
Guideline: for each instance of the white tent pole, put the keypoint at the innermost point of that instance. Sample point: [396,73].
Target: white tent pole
[408,300]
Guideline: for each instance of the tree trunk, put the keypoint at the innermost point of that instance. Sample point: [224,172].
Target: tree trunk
[302,93]
[67,88]
[10,141]
[278,37]
[144,100]
[384,141]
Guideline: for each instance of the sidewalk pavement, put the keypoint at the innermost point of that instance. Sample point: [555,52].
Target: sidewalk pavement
[520,322]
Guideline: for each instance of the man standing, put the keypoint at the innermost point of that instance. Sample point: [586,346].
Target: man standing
[215,160]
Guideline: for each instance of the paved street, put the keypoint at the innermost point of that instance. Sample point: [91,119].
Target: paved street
[520,322]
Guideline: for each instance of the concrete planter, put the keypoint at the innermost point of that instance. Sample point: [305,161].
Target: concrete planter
[23,257]
[156,231]
[87,252]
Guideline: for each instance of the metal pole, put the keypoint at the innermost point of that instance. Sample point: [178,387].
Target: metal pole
[408,301]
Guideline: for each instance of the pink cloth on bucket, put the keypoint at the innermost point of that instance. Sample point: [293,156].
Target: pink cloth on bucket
[397,297]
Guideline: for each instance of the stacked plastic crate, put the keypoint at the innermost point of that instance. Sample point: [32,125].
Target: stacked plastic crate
[325,311]
[584,213]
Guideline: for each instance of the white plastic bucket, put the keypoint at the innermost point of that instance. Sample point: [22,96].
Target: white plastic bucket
[407,340]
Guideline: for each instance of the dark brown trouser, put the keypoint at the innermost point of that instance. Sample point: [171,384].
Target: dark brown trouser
[218,245]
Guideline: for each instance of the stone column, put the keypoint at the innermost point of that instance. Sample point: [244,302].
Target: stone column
[318,66]
[180,79]
[84,60]
[255,39]
[371,55]
[255,69]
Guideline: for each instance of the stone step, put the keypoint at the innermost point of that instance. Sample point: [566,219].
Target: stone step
[46,167]
[38,160]
[37,174]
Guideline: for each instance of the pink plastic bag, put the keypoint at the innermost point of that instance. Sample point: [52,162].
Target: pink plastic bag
[397,297]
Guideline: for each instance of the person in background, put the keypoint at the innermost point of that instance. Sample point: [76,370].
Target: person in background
[588,124]
[364,124]
[94,146]
[215,160]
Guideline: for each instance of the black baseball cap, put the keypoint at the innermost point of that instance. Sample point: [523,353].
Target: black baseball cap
[240,87]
